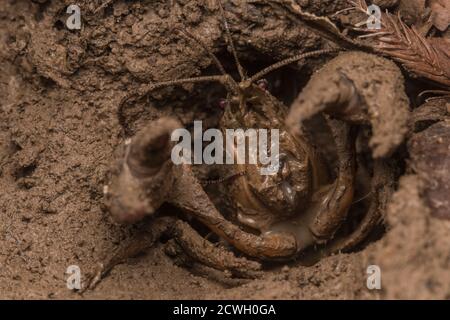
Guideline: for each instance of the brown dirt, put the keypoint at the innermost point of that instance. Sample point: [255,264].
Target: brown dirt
[59,130]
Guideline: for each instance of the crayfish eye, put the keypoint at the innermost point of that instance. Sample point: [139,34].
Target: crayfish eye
[283,165]
[263,84]
[288,192]
[223,103]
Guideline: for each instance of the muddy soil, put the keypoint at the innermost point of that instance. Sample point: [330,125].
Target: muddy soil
[60,129]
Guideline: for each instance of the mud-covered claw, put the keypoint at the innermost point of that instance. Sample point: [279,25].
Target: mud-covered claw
[362,89]
[144,179]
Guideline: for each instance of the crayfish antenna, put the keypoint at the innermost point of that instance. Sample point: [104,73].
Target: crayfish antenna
[241,69]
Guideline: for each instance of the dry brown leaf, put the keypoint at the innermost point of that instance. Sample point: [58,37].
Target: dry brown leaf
[422,57]
[419,55]
[386,3]
[440,14]
[412,11]
[322,25]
